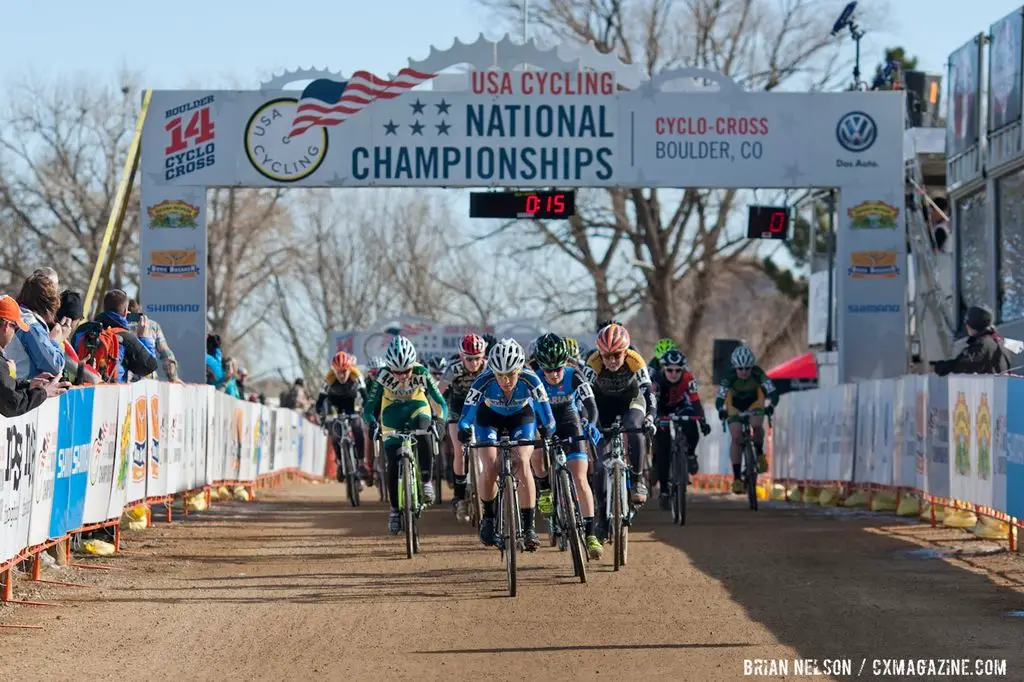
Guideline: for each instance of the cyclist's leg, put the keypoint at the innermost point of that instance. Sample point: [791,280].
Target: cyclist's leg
[633,418]
[735,442]
[358,442]
[424,452]
[757,429]
[527,492]
[391,446]
[486,431]
[690,431]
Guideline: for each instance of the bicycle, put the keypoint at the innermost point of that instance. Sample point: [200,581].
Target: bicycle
[679,474]
[348,470]
[565,525]
[378,471]
[509,523]
[748,458]
[618,509]
[439,461]
[410,487]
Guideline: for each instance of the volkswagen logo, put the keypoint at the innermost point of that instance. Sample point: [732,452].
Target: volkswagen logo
[856,132]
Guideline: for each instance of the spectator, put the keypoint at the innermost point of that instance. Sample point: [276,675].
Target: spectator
[295,397]
[938,222]
[20,396]
[155,333]
[71,314]
[135,353]
[215,374]
[231,372]
[37,348]
[240,376]
[983,354]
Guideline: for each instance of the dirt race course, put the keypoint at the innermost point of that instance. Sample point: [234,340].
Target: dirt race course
[299,586]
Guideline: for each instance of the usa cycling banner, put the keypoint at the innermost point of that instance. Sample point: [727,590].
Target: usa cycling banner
[573,118]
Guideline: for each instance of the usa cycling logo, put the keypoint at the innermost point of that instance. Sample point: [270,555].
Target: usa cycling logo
[856,132]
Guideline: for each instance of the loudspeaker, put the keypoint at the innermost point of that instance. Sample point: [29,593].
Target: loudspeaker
[923,90]
[721,352]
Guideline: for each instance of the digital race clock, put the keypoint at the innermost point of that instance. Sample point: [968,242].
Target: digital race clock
[768,222]
[511,204]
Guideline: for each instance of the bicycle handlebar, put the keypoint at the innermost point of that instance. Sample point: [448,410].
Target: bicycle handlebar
[614,430]
[412,433]
[681,418]
[508,443]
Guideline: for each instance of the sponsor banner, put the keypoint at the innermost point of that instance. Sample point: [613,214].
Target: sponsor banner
[173,253]
[17,466]
[971,436]
[138,463]
[102,453]
[74,443]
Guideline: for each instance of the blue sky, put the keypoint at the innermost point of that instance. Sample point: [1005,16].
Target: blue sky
[210,44]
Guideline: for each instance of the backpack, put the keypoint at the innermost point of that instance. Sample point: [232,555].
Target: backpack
[99,347]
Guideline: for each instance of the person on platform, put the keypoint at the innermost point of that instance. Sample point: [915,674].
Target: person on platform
[983,353]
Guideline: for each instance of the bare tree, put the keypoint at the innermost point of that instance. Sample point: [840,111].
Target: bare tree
[679,236]
[249,242]
[62,149]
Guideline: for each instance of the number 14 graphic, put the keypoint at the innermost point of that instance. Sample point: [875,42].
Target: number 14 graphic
[198,131]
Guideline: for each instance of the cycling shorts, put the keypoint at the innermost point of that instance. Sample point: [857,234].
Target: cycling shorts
[490,425]
[749,402]
[567,427]
[610,407]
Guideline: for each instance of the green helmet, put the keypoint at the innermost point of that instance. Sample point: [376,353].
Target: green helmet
[573,347]
[552,351]
[662,346]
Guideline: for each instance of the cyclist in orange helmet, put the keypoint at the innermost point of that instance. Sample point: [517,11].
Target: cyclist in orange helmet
[622,388]
[342,386]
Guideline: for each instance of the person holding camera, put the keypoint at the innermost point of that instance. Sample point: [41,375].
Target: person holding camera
[107,345]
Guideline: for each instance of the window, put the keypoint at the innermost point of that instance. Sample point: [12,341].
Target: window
[1010,247]
[971,249]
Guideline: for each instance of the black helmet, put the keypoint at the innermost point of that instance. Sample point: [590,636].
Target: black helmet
[552,351]
[489,341]
[438,363]
[673,358]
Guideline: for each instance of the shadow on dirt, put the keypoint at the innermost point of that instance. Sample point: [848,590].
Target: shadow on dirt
[827,586]
[584,647]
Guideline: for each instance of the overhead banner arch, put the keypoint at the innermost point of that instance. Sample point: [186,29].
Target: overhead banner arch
[573,118]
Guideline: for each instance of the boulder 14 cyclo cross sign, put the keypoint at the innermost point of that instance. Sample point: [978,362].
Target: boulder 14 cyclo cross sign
[571,118]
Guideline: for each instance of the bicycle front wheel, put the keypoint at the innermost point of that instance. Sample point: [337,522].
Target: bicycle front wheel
[617,493]
[682,479]
[475,506]
[407,511]
[570,530]
[750,461]
[510,510]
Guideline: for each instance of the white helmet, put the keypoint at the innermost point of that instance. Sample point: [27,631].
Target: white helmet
[376,362]
[400,355]
[506,357]
[742,358]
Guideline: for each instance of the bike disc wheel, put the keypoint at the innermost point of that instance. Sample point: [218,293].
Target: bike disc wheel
[617,484]
[410,544]
[511,536]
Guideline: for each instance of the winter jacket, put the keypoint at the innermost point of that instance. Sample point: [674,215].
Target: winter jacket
[34,352]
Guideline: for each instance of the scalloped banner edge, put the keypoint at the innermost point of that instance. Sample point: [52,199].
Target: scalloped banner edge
[289,76]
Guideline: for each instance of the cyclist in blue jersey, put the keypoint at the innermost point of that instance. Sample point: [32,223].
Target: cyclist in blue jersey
[569,395]
[507,398]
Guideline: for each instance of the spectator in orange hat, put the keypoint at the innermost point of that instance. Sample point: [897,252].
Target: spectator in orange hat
[20,396]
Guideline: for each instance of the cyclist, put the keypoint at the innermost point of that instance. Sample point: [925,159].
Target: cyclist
[622,388]
[437,364]
[402,393]
[342,386]
[744,389]
[457,382]
[677,393]
[489,342]
[660,348]
[507,398]
[575,352]
[564,385]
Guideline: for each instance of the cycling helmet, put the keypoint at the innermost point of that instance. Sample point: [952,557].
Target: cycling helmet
[573,346]
[552,351]
[400,355]
[613,339]
[662,346]
[742,358]
[472,346]
[489,342]
[506,357]
[673,357]
[342,362]
[376,362]
[438,364]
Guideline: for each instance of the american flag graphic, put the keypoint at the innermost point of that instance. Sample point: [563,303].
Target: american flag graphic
[327,103]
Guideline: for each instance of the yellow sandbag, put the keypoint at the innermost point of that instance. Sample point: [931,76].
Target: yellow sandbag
[830,497]
[811,494]
[959,518]
[98,547]
[794,493]
[883,501]
[214,494]
[241,493]
[910,505]
[223,492]
[778,492]
[926,512]
[991,529]
[859,498]
[134,519]
[762,493]
[196,502]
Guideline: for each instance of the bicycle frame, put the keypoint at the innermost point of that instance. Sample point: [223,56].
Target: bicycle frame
[679,473]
